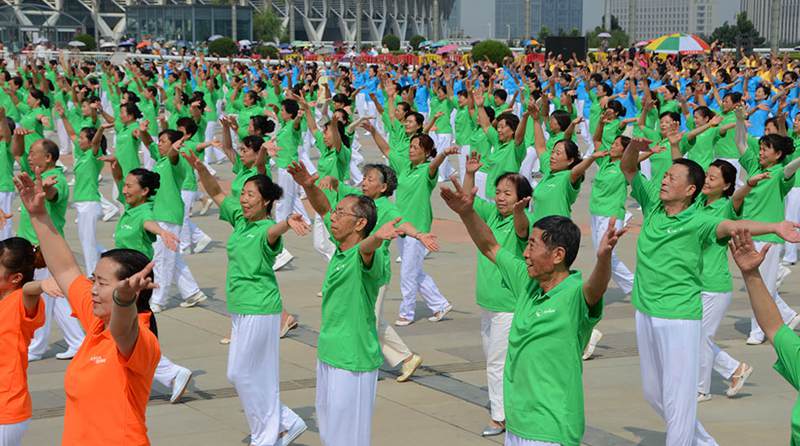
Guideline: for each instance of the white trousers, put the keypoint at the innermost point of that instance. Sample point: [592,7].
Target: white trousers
[290,201]
[190,232]
[106,205]
[345,401]
[356,159]
[11,434]
[668,361]
[413,280]
[64,144]
[741,174]
[166,371]
[55,308]
[480,184]
[147,161]
[7,229]
[529,164]
[170,264]
[361,105]
[442,141]
[302,152]
[254,370]
[792,214]
[393,348]
[711,356]
[462,162]
[769,272]
[622,276]
[322,240]
[212,154]
[513,440]
[494,339]
[88,214]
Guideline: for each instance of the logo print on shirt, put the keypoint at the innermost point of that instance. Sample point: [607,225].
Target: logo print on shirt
[250,236]
[97,359]
[673,230]
[540,313]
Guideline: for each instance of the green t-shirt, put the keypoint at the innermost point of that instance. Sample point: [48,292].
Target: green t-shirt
[787,346]
[716,275]
[130,233]
[332,162]
[87,169]
[168,203]
[250,282]
[348,338]
[796,139]
[6,168]
[701,150]
[492,293]
[127,147]
[765,201]
[554,195]
[414,188]
[505,157]
[725,146]
[288,140]
[609,190]
[669,255]
[56,209]
[244,114]
[445,106]
[464,125]
[548,333]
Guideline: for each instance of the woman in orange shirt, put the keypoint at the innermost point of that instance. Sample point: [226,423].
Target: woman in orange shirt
[21,313]
[108,381]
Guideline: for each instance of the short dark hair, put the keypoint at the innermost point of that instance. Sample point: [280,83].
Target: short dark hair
[253,142]
[558,231]
[695,174]
[779,143]
[188,124]
[562,119]
[50,148]
[364,207]
[427,144]
[521,184]
[291,106]
[728,175]
[675,116]
[147,179]
[501,94]
[735,96]
[130,262]
[704,112]
[173,135]
[268,190]
[511,120]
[388,177]
[617,106]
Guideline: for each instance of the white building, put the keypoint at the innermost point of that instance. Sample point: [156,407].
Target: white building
[760,13]
[647,19]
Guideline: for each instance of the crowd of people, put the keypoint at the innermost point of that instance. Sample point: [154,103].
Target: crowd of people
[704,146]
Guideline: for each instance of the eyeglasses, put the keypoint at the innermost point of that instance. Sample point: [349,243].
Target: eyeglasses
[337,211]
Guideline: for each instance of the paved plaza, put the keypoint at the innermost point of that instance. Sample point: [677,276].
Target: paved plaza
[446,401]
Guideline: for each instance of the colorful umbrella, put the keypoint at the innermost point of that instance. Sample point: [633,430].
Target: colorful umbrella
[678,43]
[447,49]
[144,44]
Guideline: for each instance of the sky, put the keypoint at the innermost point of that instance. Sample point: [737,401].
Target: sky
[478,14]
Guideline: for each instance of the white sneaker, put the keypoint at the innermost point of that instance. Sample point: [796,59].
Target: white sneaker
[194,299]
[398,259]
[202,244]
[439,315]
[297,429]
[783,273]
[593,340]
[755,340]
[156,308]
[179,384]
[68,354]
[33,358]
[109,215]
[702,397]
[738,380]
[403,322]
[282,259]
[206,205]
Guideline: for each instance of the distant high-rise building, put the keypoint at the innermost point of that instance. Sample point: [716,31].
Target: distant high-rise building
[558,16]
[647,19]
[760,13]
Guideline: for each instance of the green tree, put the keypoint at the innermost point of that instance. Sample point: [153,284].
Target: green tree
[492,49]
[415,41]
[87,40]
[742,34]
[544,33]
[619,38]
[267,51]
[223,47]
[268,27]
[391,42]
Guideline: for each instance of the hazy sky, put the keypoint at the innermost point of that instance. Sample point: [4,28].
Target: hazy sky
[477,15]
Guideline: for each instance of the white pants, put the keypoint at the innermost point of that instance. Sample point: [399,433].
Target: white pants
[190,232]
[668,361]
[253,369]
[513,440]
[6,230]
[442,141]
[344,405]
[147,161]
[413,280]
[290,201]
[166,371]
[322,240]
[622,276]
[714,307]
[480,184]
[55,308]
[792,214]
[302,152]
[356,159]
[769,272]
[11,434]
[170,264]
[88,214]
[106,205]
[393,348]
[64,144]
[462,162]
[529,164]
[494,339]
[212,154]
[361,105]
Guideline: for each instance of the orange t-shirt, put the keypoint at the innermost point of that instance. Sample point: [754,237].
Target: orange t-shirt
[107,394]
[16,331]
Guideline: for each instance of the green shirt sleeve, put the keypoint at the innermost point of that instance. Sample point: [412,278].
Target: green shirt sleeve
[787,347]
[513,270]
[645,192]
[230,210]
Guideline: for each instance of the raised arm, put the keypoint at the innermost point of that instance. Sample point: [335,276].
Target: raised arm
[737,200]
[369,245]
[577,172]
[307,181]
[437,161]
[460,201]
[741,130]
[381,143]
[786,230]
[227,143]
[597,284]
[210,184]
[630,157]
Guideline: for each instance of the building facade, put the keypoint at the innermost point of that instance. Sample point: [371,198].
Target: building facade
[760,13]
[521,19]
[647,19]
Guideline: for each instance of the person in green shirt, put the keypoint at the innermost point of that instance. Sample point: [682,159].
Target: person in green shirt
[254,301]
[792,199]
[129,132]
[668,306]
[348,351]
[42,158]
[7,156]
[554,314]
[698,144]
[168,212]
[193,239]
[416,178]
[785,342]
[506,136]
[442,105]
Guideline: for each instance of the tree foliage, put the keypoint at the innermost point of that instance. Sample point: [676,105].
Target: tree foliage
[268,27]
[741,34]
[267,51]
[494,50]
[544,33]
[223,47]
[619,38]
[391,42]
[88,40]
[415,41]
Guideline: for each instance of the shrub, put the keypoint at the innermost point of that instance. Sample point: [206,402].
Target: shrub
[415,41]
[391,42]
[223,47]
[492,49]
[88,40]
[267,51]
